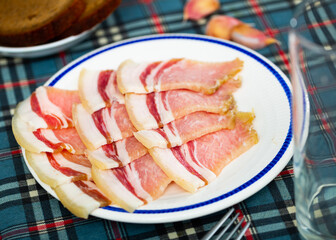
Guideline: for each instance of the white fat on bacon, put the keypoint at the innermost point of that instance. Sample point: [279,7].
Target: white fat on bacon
[38,111]
[112,90]
[49,135]
[151,111]
[151,138]
[86,128]
[129,75]
[75,200]
[173,135]
[127,72]
[123,155]
[61,160]
[117,154]
[195,163]
[139,113]
[45,171]
[50,175]
[87,125]
[185,129]
[134,178]
[99,158]
[110,185]
[111,123]
[172,74]
[175,170]
[89,90]
[163,108]
[205,157]
[48,108]
[25,113]
[24,136]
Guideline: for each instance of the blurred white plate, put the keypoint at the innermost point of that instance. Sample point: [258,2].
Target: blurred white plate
[265,90]
[45,49]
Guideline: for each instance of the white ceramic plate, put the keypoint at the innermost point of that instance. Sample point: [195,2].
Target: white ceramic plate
[265,90]
[45,49]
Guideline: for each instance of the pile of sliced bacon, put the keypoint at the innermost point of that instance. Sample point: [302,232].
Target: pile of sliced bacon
[125,135]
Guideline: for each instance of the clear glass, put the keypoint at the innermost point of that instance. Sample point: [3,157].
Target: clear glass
[313,59]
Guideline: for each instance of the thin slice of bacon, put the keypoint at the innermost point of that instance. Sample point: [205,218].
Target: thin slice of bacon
[131,186]
[48,107]
[196,163]
[98,89]
[117,154]
[59,139]
[55,169]
[46,140]
[81,197]
[103,126]
[76,158]
[69,176]
[43,122]
[151,111]
[185,129]
[205,77]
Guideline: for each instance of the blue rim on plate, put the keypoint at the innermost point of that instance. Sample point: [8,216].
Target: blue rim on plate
[243,186]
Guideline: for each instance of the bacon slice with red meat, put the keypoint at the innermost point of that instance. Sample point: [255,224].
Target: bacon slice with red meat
[185,129]
[103,126]
[58,168]
[134,185]
[59,139]
[198,162]
[46,140]
[69,176]
[98,89]
[117,154]
[43,122]
[48,107]
[159,76]
[151,111]
[81,197]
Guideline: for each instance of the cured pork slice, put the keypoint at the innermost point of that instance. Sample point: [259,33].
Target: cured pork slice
[25,137]
[43,122]
[77,159]
[55,169]
[151,111]
[185,129]
[158,76]
[103,126]
[81,197]
[48,107]
[98,89]
[198,162]
[69,176]
[46,140]
[59,139]
[131,186]
[117,154]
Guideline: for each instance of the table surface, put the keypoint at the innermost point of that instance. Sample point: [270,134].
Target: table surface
[27,211]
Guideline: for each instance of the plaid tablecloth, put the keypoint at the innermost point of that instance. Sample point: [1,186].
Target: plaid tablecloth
[27,211]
